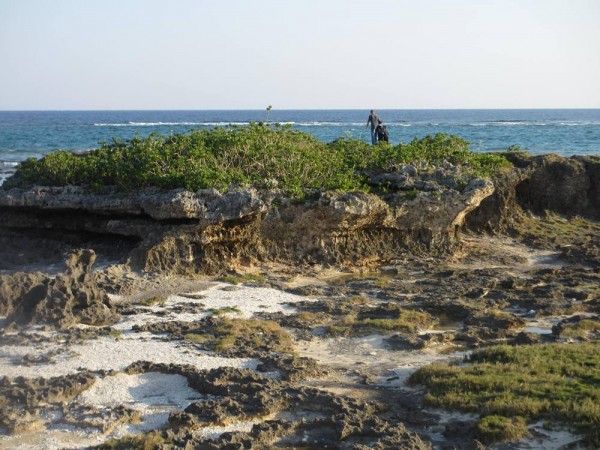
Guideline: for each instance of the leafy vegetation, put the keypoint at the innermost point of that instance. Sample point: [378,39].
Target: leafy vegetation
[558,382]
[264,156]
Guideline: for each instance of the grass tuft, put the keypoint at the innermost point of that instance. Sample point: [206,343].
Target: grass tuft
[407,321]
[559,382]
[157,299]
[494,429]
[225,310]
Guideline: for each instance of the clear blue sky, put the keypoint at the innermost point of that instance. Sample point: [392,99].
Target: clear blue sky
[243,54]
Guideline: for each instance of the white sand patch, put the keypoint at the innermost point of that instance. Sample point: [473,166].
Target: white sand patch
[543,325]
[154,394]
[246,301]
[110,353]
[52,439]
[391,367]
[543,439]
[142,392]
[116,354]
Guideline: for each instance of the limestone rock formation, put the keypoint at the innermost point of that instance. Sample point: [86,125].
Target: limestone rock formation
[206,231]
[206,204]
[567,186]
[71,297]
[20,287]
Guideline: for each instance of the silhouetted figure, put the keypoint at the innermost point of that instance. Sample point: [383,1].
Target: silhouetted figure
[373,120]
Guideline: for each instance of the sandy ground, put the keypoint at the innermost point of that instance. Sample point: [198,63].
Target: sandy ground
[155,395]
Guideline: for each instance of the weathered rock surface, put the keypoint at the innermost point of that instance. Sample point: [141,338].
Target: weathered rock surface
[206,204]
[567,186]
[23,401]
[69,298]
[205,231]
[20,287]
[313,416]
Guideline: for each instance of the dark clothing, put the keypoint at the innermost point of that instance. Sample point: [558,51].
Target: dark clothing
[382,134]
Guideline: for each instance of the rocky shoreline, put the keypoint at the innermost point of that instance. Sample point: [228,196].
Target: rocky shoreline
[286,324]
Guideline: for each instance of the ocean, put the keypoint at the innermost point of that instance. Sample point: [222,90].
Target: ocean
[25,134]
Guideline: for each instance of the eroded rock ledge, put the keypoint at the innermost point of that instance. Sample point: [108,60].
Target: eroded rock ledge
[206,231]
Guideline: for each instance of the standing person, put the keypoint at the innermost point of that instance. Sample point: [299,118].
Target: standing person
[374,121]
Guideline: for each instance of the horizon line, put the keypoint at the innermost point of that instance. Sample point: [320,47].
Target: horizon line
[300,109]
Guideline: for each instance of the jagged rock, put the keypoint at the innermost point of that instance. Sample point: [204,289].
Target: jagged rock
[23,400]
[292,368]
[205,231]
[314,416]
[71,297]
[18,287]
[495,320]
[568,186]
[104,419]
[402,341]
[524,338]
[205,204]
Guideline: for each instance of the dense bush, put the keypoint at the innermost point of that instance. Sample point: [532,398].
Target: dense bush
[257,155]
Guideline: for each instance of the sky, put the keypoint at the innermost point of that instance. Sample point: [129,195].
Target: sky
[300,54]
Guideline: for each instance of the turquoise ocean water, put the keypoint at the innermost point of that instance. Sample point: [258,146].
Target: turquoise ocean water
[25,134]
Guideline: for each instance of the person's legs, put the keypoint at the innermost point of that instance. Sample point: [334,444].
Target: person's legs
[373,137]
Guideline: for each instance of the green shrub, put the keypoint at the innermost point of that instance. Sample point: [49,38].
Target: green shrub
[256,155]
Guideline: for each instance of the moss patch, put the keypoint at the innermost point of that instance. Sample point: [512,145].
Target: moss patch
[578,237]
[157,299]
[406,321]
[494,429]
[580,330]
[551,382]
[241,337]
